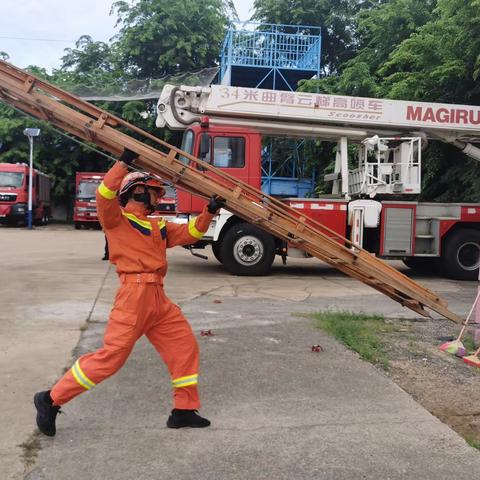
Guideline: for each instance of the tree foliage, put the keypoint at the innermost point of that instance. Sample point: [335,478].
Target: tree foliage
[161,37]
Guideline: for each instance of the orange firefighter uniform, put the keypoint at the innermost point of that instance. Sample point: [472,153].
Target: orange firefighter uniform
[138,249]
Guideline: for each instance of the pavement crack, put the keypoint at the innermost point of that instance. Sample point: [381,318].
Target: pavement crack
[200,295]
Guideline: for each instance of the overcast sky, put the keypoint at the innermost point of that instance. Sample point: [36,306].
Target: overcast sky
[35,32]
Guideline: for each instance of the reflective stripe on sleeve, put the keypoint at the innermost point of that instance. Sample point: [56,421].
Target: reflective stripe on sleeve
[185,381]
[80,376]
[193,230]
[105,192]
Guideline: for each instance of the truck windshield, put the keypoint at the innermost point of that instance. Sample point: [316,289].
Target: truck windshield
[169,191]
[11,179]
[187,146]
[86,189]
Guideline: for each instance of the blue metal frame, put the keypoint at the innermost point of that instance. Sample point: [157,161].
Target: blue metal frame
[263,55]
[283,51]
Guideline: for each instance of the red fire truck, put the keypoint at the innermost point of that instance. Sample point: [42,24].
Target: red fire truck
[85,209]
[14,178]
[224,126]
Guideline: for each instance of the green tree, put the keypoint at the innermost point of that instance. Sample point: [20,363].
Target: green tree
[441,62]
[379,29]
[162,37]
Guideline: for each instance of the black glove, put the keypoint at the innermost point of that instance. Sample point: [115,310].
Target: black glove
[215,204]
[128,156]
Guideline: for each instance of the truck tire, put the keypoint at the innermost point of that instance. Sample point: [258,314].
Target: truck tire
[461,255]
[247,250]
[216,251]
[78,225]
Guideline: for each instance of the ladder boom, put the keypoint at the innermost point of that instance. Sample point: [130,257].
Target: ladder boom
[318,115]
[90,123]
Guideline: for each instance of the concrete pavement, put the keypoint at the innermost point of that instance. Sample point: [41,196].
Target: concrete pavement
[278,410]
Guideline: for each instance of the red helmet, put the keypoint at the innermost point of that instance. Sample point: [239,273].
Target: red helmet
[134,179]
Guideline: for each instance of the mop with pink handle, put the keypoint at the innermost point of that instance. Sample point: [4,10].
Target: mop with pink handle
[456,347]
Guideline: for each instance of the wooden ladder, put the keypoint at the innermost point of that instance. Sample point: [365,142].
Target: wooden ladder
[92,124]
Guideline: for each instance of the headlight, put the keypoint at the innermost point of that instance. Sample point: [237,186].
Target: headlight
[82,209]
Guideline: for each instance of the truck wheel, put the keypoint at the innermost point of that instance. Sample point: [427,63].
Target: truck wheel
[461,255]
[247,250]
[78,225]
[216,246]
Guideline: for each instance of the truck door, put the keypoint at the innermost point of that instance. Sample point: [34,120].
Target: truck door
[227,152]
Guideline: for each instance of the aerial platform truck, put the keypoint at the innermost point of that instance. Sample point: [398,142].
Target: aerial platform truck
[87,122]
[371,204]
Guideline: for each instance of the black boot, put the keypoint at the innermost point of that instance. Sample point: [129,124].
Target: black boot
[186,418]
[46,413]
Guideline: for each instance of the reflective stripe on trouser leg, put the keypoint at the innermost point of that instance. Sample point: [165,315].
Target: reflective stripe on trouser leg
[185,381]
[80,376]
[96,367]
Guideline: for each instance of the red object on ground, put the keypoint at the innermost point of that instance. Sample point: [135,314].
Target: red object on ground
[473,360]
[317,348]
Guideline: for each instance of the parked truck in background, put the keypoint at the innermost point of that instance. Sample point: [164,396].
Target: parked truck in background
[85,208]
[372,204]
[14,179]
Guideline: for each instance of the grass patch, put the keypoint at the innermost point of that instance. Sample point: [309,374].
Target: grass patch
[473,443]
[360,332]
[469,343]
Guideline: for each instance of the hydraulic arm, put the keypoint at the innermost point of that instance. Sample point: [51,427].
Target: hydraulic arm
[90,123]
[319,115]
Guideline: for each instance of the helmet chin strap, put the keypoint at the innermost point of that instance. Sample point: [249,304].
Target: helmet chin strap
[144,198]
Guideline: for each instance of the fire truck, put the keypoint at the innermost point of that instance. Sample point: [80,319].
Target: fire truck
[85,209]
[14,178]
[373,203]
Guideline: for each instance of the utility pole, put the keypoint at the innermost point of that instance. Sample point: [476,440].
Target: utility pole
[30,133]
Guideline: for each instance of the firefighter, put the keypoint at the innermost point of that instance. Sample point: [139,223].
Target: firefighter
[137,247]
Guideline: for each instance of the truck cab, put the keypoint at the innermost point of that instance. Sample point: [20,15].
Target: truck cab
[233,149]
[14,179]
[85,209]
